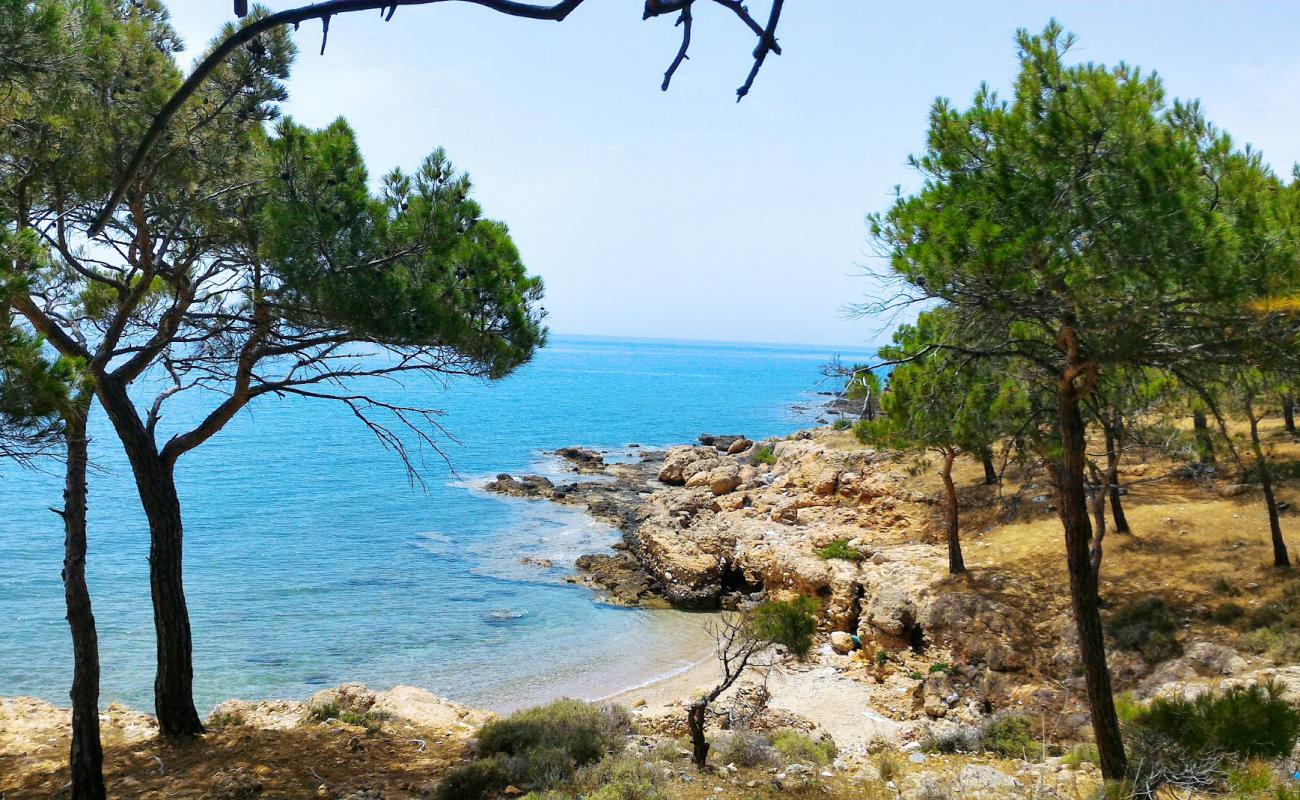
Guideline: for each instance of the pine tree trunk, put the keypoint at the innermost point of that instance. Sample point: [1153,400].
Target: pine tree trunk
[1073,509]
[86,755]
[156,485]
[1288,412]
[695,723]
[1112,468]
[990,469]
[1280,556]
[956,564]
[1204,441]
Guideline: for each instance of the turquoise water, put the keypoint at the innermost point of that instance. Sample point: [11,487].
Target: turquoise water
[311,560]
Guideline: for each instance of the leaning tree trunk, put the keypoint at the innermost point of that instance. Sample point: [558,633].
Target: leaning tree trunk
[1112,470]
[1073,510]
[156,484]
[86,755]
[1204,441]
[1280,556]
[990,469]
[1288,412]
[956,564]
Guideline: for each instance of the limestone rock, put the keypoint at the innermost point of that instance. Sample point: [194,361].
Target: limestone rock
[841,642]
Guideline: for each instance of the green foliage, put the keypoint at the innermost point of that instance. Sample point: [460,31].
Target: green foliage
[882,657]
[797,747]
[1011,737]
[1275,628]
[1245,722]
[413,266]
[745,748]
[582,731]
[940,666]
[371,720]
[540,747]
[841,424]
[1147,626]
[478,780]
[839,549]
[1227,613]
[940,401]
[1081,754]
[764,455]
[624,779]
[790,623]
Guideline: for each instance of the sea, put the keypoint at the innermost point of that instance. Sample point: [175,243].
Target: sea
[312,558]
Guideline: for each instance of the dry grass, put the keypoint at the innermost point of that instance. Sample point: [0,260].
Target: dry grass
[291,763]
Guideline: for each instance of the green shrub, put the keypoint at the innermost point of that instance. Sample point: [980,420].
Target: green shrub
[1225,587]
[764,455]
[538,747]
[1127,707]
[1252,779]
[371,720]
[477,780]
[882,657]
[1243,722]
[941,666]
[227,719]
[915,675]
[1227,613]
[797,747]
[1081,754]
[841,424]
[1011,736]
[583,732]
[790,623]
[839,549]
[963,740]
[745,749]
[1146,627]
[621,779]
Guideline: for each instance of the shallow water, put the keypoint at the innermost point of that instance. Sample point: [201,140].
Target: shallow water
[311,560]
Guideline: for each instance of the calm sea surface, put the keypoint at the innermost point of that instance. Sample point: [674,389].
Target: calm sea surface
[311,560]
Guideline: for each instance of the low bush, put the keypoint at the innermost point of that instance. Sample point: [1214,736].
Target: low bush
[889,766]
[539,748]
[1275,628]
[952,742]
[1081,754]
[941,666]
[790,623]
[764,455]
[839,549]
[1011,736]
[1244,722]
[1199,743]
[621,779]
[841,424]
[1225,587]
[371,720]
[1227,613]
[583,732]
[481,778]
[1148,627]
[745,749]
[797,747]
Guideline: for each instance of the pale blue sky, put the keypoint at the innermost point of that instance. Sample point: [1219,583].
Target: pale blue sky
[685,215]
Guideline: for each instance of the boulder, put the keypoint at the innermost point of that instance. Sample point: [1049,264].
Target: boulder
[786,512]
[739,446]
[977,779]
[529,486]
[677,460]
[1215,659]
[841,642]
[583,458]
[424,709]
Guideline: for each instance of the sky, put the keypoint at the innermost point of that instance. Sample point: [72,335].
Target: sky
[683,214]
